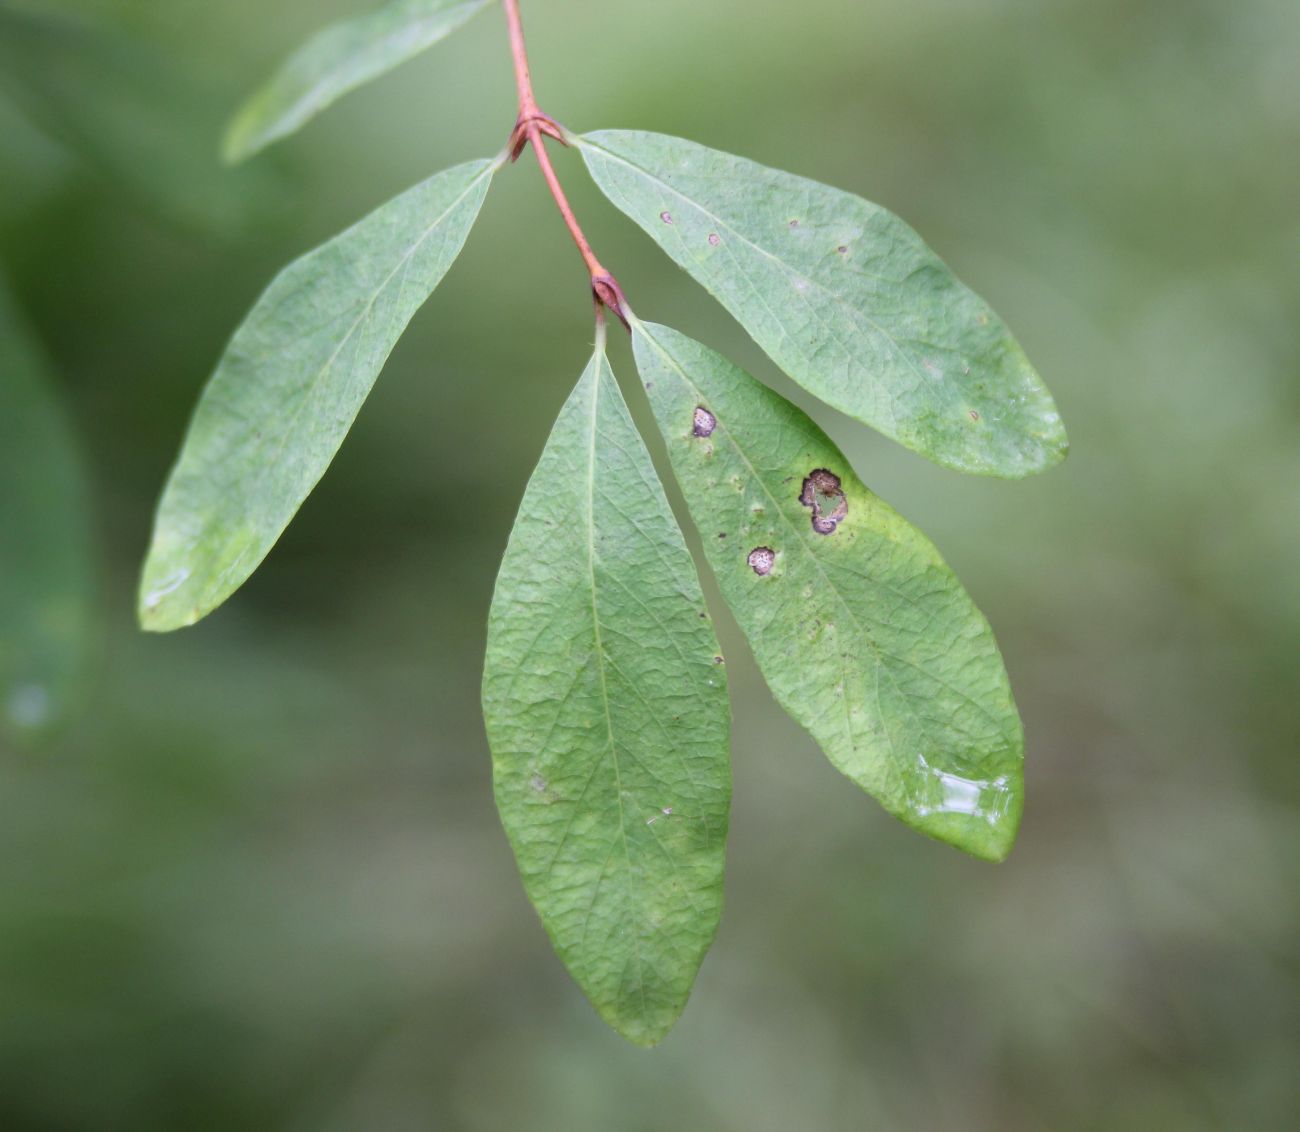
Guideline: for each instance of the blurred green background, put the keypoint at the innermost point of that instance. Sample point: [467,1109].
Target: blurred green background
[259,883]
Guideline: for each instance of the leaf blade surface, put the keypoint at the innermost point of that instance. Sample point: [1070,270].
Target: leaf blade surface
[863,633]
[288,388]
[843,296]
[607,716]
[337,60]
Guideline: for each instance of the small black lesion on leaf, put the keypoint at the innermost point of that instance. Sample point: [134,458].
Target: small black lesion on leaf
[666,217]
[761,560]
[704,422]
[824,497]
[974,415]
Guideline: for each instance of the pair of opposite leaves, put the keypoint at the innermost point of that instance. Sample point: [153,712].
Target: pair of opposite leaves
[604,695]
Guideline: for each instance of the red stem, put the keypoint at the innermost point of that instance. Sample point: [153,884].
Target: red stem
[533,126]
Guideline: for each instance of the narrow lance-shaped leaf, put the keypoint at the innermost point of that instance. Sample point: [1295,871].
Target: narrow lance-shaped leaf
[606,710]
[288,389]
[863,633]
[47,556]
[339,59]
[844,297]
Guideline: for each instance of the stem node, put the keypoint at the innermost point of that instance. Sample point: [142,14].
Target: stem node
[533,126]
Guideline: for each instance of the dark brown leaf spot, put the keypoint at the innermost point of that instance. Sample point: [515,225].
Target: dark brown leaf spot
[794,224]
[666,217]
[824,497]
[761,560]
[974,415]
[842,249]
[704,422]
[714,239]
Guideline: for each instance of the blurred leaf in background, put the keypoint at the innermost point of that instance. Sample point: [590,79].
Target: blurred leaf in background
[336,60]
[48,555]
[263,884]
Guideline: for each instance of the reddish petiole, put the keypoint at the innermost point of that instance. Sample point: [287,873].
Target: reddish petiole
[534,126]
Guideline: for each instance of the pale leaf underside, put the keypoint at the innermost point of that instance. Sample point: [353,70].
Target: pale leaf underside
[844,297]
[289,387]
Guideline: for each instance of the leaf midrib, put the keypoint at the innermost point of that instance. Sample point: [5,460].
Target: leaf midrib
[598,362]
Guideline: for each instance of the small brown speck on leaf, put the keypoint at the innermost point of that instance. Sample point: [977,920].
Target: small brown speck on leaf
[704,422]
[794,224]
[666,217]
[974,415]
[824,497]
[842,250]
[714,239]
[718,660]
[761,560]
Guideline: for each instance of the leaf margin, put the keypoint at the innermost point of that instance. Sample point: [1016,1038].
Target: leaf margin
[636,1030]
[948,827]
[155,610]
[1050,445]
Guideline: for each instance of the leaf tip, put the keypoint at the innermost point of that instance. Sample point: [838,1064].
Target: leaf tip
[239,143]
[1033,454]
[642,1032]
[161,605]
[163,619]
[1052,449]
[987,835]
[996,845]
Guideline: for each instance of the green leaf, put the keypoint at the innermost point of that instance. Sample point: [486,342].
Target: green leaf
[337,60]
[606,710]
[289,387]
[844,297]
[863,633]
[47,615]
